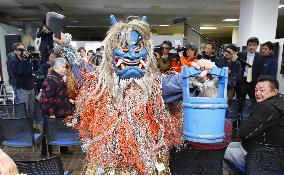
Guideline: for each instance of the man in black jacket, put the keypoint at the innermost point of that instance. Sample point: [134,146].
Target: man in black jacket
[265,125]
[209,52]
[12,79]
[22,68]
[46,42]
[249,74]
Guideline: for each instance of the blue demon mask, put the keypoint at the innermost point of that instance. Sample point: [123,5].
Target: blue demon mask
[130,59]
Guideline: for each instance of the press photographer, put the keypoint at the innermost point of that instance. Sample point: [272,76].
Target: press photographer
[22,67]
[46,43]
[188,55]
[163,56]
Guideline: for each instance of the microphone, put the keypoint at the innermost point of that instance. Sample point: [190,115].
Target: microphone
[179,20]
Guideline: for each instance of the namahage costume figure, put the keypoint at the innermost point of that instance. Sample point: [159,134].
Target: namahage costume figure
[123,122]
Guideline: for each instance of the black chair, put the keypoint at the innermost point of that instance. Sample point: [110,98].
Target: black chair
[13,111]
[39,119]
[248,108]
[18,132]
[264,158]
[234,168]
[192,161]
[58,134]
[232,111]
[233,115]
[49,166]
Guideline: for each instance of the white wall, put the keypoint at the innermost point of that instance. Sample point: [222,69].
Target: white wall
[4,30]
[175,39]
[258,18]
[235,35]
[88,45]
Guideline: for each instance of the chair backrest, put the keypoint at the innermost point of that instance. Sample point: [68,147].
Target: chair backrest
[49,166]
[266,157]
[248,108]
[232,111]
[17,129]
[8,92]
[13,111]
[38,113]
[57,130]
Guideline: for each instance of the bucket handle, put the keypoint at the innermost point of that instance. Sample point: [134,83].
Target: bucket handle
[222,73]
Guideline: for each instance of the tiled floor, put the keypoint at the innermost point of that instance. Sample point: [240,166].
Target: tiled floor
[74,162]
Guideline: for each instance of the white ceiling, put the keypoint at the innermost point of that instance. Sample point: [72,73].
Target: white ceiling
[95,13]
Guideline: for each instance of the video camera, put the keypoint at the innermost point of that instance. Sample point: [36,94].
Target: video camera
[160,48]
[181,49]
[178,49]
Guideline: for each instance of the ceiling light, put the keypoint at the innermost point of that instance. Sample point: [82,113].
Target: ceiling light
[84,26]
[230,26]
[164,25]
[208,28]
[230,20]
[280,6]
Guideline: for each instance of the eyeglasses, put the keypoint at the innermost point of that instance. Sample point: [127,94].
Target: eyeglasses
[21,49]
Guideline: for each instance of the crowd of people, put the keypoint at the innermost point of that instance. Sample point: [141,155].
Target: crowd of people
[244,67]
[56,81]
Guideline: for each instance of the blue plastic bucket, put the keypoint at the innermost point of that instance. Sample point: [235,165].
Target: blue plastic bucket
[204,117]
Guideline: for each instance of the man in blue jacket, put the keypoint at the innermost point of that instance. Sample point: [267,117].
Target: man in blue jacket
[270,64]
[22,67]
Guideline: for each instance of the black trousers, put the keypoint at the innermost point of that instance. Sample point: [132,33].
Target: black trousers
[243,89]
[43,57]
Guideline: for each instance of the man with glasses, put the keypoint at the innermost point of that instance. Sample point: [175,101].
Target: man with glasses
[164,57]
[235,71]
[12,80]
[22,68]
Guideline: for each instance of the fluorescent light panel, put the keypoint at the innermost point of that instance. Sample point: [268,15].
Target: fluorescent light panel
[208,28]
[164,25]
[280,6]
[230,20]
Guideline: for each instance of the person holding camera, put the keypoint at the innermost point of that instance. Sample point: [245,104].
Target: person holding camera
[22,67]
[46,43]
[164,57]
[188,57]
[12,80]
[231,61]
[209,52]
